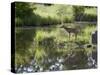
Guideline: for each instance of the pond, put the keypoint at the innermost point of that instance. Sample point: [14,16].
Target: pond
[50,49]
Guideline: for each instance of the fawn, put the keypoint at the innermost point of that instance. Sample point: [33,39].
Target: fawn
[74,31]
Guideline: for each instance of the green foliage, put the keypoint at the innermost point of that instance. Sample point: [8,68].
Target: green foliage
[78,12]
[18,21]
[43,44]
[30,14]
[86,34]
[23,41]
[39,54]
[22,9]
[62,11]
[91,11]
[89,18]
[24,13]
[85,13]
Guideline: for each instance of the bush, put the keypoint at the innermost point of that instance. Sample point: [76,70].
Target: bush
[43,15]
[22,9]
[89,17]
[78,12]
[23,42]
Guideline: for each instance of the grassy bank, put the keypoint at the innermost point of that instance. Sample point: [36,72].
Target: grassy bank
[43,15]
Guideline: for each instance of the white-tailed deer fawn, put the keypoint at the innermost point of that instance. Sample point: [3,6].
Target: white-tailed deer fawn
[74,31]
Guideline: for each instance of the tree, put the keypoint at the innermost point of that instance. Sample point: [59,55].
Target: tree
[23,9]
[78,12]
[61,12]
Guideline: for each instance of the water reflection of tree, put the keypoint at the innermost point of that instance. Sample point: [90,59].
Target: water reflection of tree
[24,39]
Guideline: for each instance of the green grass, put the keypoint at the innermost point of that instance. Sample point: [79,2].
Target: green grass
[51,11]
[46,41]
[86,33]
[91,11]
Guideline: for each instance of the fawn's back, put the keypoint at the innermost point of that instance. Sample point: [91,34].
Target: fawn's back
[72,30]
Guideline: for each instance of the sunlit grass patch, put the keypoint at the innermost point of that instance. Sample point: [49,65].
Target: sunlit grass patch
[91,11]
[86,33]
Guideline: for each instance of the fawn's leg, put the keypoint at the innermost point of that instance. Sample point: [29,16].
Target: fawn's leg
[69,36]
[75,36]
